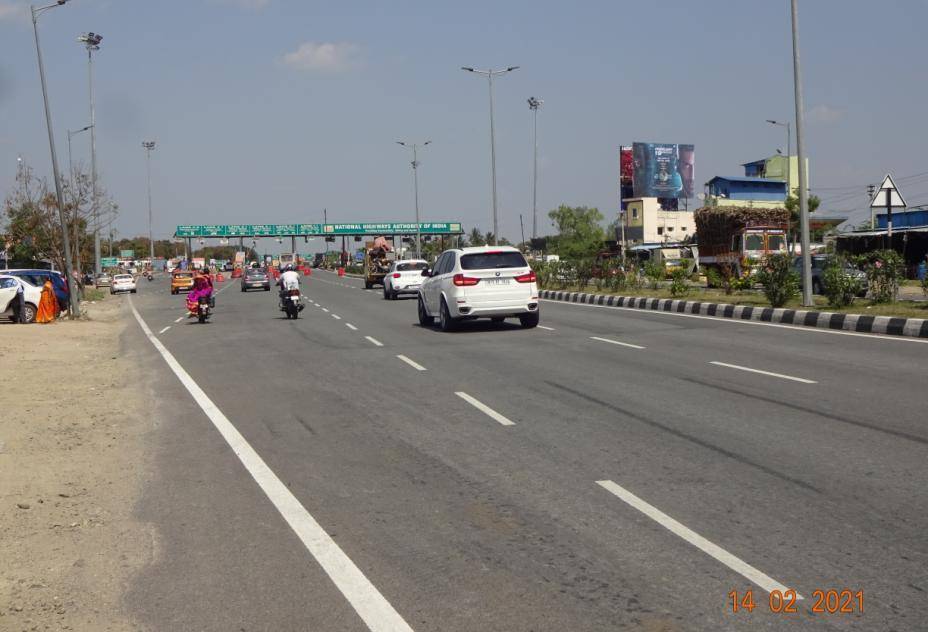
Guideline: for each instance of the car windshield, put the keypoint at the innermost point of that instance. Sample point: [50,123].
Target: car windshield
[492,260]
[407,267]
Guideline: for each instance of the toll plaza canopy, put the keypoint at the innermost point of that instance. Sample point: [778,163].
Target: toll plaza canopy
[317,230]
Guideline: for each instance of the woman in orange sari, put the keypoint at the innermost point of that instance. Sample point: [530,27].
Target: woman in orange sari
[48,304]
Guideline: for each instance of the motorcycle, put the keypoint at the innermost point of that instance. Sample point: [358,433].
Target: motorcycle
[291,302]
[149,276]
[204,308]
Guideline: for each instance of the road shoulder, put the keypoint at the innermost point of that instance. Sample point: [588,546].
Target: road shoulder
[71,457]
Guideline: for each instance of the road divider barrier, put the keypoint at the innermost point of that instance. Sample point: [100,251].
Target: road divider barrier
[860,323]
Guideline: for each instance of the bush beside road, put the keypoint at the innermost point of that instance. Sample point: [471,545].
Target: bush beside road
[70,454]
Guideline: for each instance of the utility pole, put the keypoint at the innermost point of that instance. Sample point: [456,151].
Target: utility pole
[522,229]
[800,156]
[92,42]
[149,145]
[789,152]
[489,74]
[533,105]
[77,238]
[415,180]
[75,300]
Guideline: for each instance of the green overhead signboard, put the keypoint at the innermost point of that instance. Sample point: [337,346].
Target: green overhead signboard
[126,254]
[317,230]
[109,262]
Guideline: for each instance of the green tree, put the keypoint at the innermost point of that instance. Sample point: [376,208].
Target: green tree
[580,234]
[476,238]
[792,205]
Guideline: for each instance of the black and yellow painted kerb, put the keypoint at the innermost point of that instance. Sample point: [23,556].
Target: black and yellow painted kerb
[860,323]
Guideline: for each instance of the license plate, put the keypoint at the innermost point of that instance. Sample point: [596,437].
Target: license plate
[496,281]
[295,298]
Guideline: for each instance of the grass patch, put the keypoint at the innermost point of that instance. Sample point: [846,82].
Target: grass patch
[93,294]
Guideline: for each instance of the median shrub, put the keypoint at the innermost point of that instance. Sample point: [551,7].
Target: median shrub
[655,273]
[584,272]
[884,270]
[780,281]
[678,285]
[839,286]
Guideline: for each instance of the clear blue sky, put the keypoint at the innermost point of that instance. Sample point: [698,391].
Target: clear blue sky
[271,110]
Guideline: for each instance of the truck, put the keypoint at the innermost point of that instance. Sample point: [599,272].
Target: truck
[378,256]
[735,240]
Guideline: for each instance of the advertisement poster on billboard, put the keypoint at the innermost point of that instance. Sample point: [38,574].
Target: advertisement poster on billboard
[662,170]
[626,173]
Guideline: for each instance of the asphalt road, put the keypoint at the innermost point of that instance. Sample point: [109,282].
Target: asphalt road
[616,469]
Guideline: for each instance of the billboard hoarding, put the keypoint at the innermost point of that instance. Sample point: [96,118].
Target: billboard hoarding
[316,230]
[663,170]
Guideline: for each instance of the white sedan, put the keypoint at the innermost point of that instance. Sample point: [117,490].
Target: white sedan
[31,296]
[123,283]
[404,277]
[492,282]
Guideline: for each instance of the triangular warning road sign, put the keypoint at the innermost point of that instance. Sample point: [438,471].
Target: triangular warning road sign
[895,198]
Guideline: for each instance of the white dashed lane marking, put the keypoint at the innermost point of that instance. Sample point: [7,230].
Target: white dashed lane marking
[413,364]
[492,414]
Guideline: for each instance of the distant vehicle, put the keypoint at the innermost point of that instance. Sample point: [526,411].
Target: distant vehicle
[819,263]
[32,296]
[123,283]
[181,281]
[37,277]
[318,259]
[404,277]
[286,259]
[739,238]
[377,260]
[227,267]
[492,282]
[256,279]
[103,280]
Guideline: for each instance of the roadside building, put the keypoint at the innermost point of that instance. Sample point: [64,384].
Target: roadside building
[910,238]
[779,167]
[647,222]
[745,191]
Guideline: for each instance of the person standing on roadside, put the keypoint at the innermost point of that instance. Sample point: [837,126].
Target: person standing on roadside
[20,306]
[48,305]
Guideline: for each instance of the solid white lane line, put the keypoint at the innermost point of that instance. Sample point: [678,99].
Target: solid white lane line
[375,341]
[737,321]
[545,328]
[415,365]
[336,317]
[750,370]
[734,563]
[351,327]
[179,319]
[485,409]
[164,330]
[371,606]
[616,342]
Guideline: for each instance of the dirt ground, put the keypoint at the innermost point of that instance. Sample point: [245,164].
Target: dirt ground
[71,462]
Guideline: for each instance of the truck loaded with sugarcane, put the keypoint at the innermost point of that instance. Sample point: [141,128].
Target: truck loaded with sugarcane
[735,240]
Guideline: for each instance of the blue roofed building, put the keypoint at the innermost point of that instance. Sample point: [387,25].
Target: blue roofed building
[745,191]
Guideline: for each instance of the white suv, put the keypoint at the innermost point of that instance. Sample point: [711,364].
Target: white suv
[404,277]
[486,282]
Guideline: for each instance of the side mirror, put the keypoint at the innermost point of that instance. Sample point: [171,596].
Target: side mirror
[426,272]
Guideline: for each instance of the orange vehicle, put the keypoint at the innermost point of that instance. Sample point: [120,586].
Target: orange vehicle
[181,281]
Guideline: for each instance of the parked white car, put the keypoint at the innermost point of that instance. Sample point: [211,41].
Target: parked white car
[484,282]
[123,283]
[404,277]
[32,296]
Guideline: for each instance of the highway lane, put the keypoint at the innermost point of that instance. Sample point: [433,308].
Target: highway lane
[557,550]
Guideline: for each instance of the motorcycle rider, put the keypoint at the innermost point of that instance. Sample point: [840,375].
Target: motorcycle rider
[289,280]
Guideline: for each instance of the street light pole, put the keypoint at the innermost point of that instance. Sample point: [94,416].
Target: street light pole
[533,105]
[489,74]
[92,42]
[75,304]
[415,180]
[789,154]
[800,156]
[149,145]
[77,242]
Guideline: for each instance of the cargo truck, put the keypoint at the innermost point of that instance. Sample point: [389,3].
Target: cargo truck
[735,240]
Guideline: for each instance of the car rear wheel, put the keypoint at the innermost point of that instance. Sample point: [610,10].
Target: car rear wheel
[29,312]
[386,294]
[530,320]
[444,318]
[424,319]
